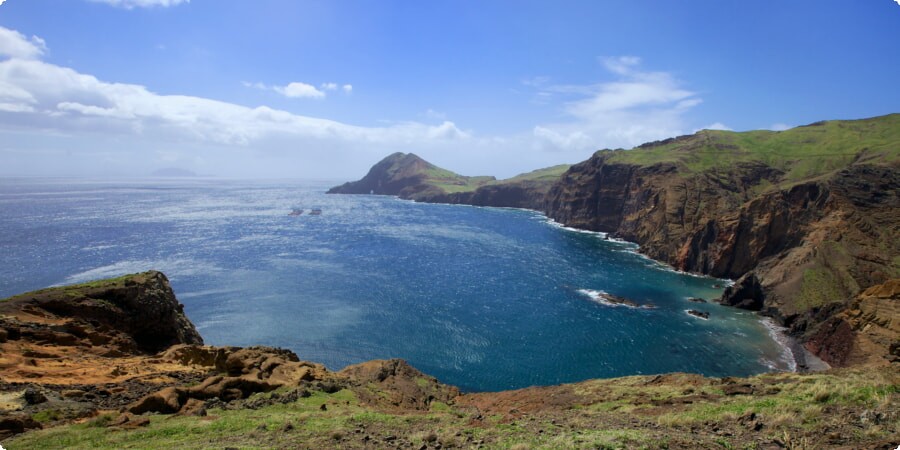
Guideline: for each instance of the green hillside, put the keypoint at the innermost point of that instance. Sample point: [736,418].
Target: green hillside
[802,153]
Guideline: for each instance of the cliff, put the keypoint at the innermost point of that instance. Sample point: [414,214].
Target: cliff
[135,314]
[57,390]
[804,219]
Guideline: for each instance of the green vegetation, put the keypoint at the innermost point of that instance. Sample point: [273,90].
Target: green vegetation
[795,400]
[670,411]
[451,182]
[819,287]
[802,153]
[82,290]
[550,174]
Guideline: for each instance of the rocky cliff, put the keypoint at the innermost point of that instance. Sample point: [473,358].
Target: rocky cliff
[130,315]
[804,219]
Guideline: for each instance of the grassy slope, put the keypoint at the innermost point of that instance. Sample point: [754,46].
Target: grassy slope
[451,182]
[677,411]
[802,153]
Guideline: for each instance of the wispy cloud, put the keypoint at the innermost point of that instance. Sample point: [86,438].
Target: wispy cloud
[781,126]
[40,96]
[634,107]
[715,126]
[16,45]
[299,89]
[131,4]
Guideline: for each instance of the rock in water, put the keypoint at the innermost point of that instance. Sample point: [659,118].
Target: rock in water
[746,293]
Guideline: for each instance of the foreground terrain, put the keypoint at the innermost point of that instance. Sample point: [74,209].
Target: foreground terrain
[116,364]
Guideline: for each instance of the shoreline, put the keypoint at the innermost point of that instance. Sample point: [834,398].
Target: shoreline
[798,358]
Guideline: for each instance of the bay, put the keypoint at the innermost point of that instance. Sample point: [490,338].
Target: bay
[482,298]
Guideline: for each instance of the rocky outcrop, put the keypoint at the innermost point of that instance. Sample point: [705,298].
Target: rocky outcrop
[746,293]
[237,374]
[128,315]
[525,194]
[407,176]
[399,385]
[867,332]
[794,249]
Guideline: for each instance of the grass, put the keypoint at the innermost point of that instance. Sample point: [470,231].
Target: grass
[819,287]
[802,153]
[801,401]
[793,405]
[77,291]
[451,182]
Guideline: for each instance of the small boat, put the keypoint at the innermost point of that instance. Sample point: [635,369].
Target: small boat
[295,212]
[315,212]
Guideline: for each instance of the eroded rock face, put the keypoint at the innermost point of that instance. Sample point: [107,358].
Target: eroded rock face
[133,314]
[238,373]
[867,332]
[401,385]
[528,195]
[796,251]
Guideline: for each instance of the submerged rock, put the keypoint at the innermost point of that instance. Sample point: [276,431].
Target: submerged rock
[700,314]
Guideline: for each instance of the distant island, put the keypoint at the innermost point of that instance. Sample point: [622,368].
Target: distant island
[174,172]
[806,220]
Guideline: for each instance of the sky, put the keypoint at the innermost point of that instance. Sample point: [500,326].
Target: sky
[324,89]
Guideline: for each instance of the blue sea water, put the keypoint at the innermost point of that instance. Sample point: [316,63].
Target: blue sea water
[482,298]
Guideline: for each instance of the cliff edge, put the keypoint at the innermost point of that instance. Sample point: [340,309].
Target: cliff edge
[59,389]
[804,219]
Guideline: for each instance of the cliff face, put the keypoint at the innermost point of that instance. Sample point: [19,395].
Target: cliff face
[528,195]
[130,315]
[801,245]
[804,219]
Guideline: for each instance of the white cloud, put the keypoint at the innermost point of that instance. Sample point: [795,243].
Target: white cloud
[329,86]
[16,45]
[782,126]
[348,88]
[299,90]
[131,4]
[715,126]
[46,109]
[256,85]
[636,107]
[62,97]
[622,65]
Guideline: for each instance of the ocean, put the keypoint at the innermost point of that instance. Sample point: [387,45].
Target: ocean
[481,298]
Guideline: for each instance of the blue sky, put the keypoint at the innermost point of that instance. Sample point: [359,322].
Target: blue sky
[323,89]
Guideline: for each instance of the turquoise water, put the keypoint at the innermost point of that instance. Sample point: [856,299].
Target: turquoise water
[482,298]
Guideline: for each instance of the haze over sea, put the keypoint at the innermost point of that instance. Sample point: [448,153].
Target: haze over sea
[482,298]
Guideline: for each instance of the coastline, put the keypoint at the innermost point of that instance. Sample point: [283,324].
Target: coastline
[798,358]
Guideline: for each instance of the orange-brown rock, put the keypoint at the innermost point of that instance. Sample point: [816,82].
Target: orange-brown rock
[407,388]
[868,332]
